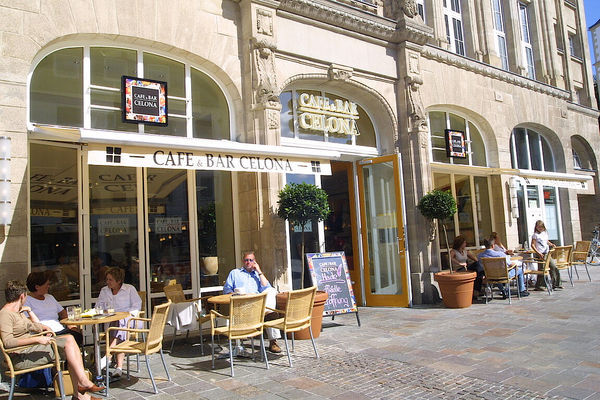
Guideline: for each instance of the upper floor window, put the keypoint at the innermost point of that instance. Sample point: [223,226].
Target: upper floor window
[439,121]
[58,92]
[530,150]
[574,46]
[454,26]
[500,32]
[526,41]
[324,117]
[421,8]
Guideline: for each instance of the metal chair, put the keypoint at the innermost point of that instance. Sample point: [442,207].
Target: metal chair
[297,316]
[579,257]
[497,271]
[246,320]
[562,255]
[13,372]
[152,344]
[543,272]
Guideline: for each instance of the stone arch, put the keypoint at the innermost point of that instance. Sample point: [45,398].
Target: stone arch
[485,129]
[585,152]
[379,110]
[554,141]
[229,88]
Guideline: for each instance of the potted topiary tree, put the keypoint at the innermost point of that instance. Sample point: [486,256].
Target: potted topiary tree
[207,239]
[456,287]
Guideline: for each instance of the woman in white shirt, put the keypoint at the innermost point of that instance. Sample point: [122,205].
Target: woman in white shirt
[123,297]
[46,310]
[541,245]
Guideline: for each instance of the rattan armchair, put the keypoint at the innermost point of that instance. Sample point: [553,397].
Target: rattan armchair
[579,257]
[543,272]
[562,255]
[174,292]
[497,271]
[12,372]
[152,344]
[296,317]
[246,320]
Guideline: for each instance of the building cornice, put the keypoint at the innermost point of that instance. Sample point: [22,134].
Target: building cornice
[449,58]
[583,110]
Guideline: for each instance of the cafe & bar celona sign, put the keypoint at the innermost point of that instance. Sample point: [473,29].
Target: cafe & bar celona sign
[322,114]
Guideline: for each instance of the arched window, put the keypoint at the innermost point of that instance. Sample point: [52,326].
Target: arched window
[439,121]
[67,79]
[582,155]
[530,150]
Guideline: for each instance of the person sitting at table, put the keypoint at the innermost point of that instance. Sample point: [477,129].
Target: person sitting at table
[123,297]
[541,245]
[498,246]
[461,258]
[16,330]
[250,279]
[490,252]
[44,307]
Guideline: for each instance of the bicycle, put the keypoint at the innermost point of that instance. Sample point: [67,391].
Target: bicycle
[594,253]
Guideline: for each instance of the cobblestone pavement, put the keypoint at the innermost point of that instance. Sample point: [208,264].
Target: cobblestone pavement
[540,347]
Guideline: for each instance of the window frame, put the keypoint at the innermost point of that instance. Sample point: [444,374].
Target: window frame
[526,47]
[500,33]
[539,142]
[455,32]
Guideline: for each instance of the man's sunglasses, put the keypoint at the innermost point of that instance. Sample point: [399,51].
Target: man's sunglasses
[248,259]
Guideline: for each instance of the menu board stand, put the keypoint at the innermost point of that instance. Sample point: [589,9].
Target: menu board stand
[329,272]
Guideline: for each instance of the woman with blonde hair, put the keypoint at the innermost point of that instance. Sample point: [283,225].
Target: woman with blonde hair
[541,245]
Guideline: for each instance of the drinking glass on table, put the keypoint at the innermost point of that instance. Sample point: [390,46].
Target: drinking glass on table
[99,308]
[77,312]
[71,312]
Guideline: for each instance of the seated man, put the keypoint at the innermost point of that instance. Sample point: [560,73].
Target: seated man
[490,252]
[250,280]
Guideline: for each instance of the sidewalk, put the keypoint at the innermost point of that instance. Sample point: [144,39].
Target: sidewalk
[540,347]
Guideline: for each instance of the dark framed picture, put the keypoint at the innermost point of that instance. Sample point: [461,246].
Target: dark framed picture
[456,145]
[144,101]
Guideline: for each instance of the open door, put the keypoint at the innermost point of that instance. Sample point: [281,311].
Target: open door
[386,280]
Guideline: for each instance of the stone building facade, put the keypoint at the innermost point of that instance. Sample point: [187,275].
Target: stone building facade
[356,96]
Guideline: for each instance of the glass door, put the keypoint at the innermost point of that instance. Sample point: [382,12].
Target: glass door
[385,275]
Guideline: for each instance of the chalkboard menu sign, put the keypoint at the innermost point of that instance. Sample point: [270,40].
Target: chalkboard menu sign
[329,272]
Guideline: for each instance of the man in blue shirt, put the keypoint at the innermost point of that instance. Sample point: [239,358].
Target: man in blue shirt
[489,252]
[250,280]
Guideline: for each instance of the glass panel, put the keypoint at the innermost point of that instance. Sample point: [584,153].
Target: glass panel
[534,150]
[338,124]
[482,206]
[54,221]
[338,227]
[287,114]
[166,70]
[177,127]
[459,124]
[522,220]
[551,211]
[105,98]
[442,182]
[458,37]
[522,153]
[215,226]
[548,158]
[533,197]
[177,107]
[503,52]
[210,112]
[111,119]
[382,229]
[311,239]
[168,234]
[109,64]
[57,89]
[437,125]
[478,156]
[309,119]
[366,129]
[465,208]
[113,224]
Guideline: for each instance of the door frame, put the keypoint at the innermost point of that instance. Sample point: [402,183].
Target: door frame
[405,298]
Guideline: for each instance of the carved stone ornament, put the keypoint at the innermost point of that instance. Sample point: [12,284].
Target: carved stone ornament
[416,112]
[264,22]
[273,119]
[264,77]
[339,73]
[409,7]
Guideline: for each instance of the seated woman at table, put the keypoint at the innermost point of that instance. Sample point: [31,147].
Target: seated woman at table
[461,258]
[123,297]
[15,330]
[44,307]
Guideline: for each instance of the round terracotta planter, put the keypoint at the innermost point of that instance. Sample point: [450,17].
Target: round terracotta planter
[456,288]
[317,314]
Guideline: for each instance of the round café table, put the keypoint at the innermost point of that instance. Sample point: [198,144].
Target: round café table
[221,299]
[94,322]
[238,349]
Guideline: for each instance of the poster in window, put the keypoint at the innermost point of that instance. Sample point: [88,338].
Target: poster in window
[144,101]
[455,144]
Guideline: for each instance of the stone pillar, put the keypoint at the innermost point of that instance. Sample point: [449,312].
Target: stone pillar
[412,143]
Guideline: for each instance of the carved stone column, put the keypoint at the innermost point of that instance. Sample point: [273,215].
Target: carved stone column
[413,138]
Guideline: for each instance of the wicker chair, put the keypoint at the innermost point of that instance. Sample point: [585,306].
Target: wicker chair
[137,336]
[174,292]
[497,271]
[579,256]
[13,373]
[543,272]
[246,320]
[562,255]
[152,344]
[297,316]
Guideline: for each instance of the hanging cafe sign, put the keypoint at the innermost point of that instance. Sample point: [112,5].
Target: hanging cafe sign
[144,101]
[131,156]
[322,114]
